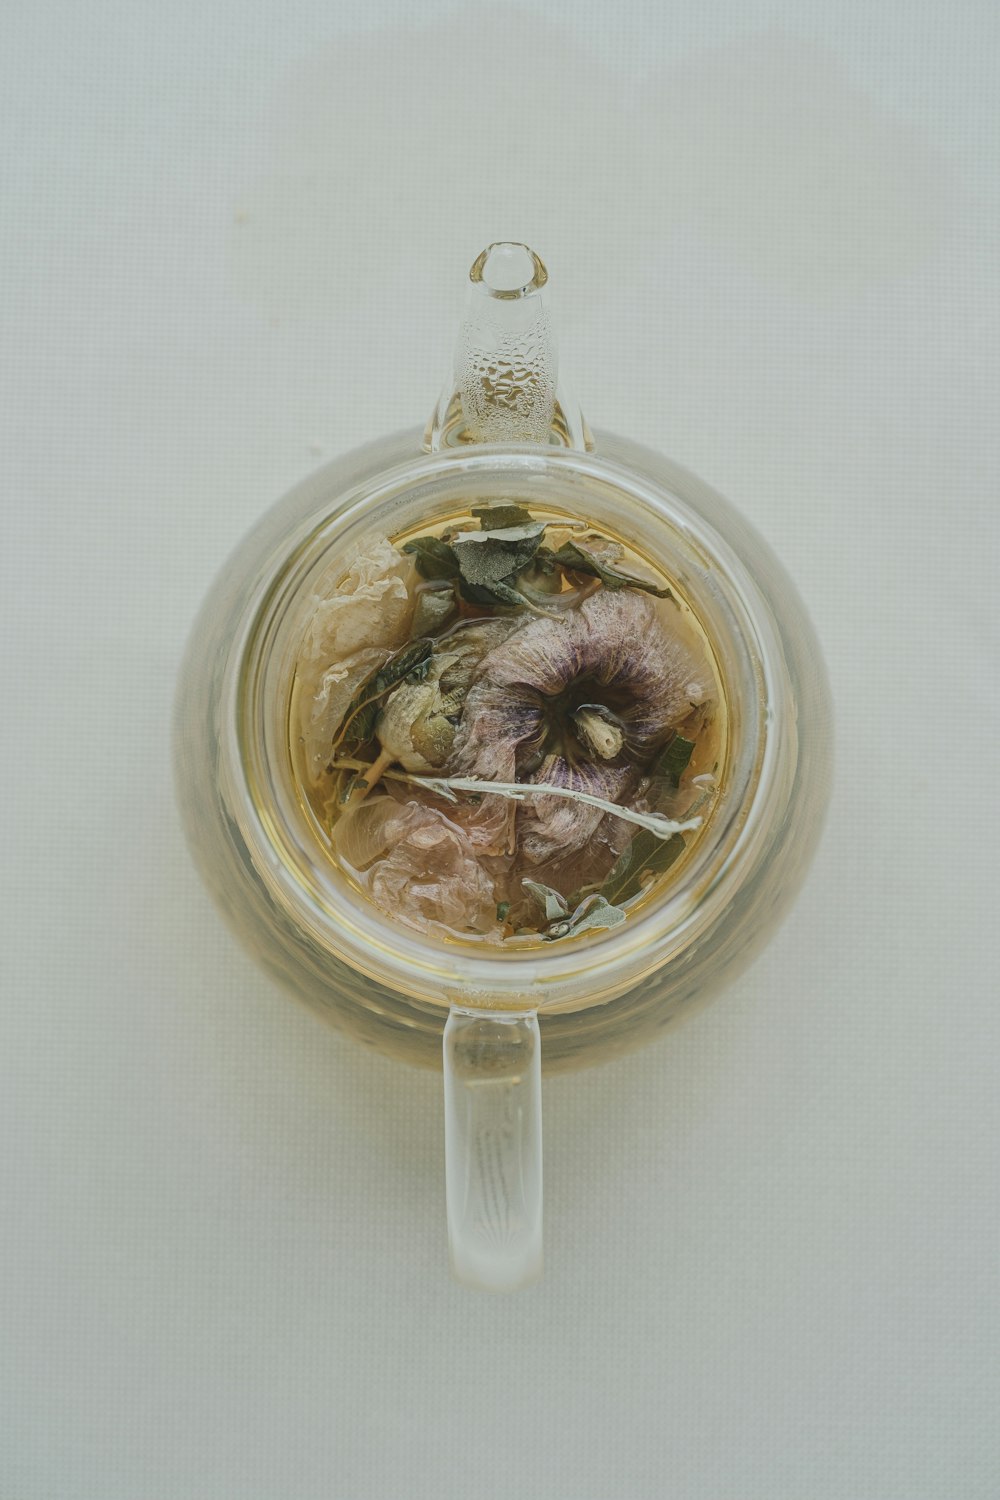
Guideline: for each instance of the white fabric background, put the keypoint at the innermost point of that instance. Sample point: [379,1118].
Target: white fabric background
[234,240]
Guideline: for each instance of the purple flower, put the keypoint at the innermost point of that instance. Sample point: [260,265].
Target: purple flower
[578,701]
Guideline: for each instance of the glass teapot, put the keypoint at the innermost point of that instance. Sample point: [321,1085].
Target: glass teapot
[493,1015]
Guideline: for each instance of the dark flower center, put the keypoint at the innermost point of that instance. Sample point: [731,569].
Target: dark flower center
[581,722]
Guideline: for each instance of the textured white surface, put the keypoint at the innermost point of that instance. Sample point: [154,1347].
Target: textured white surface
[232,242]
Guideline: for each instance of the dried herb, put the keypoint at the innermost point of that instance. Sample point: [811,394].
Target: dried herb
[645,858]
[488,556]
[490,594]
[555,907]
[358,724]
[485,563]
[656,823]
[589,914]
[673,761]
[433,557]
[500,517]
[592,913]
[433,609]
[575,557]
[503,908]
[489,561]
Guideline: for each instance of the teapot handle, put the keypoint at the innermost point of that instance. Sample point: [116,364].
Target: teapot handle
[505,386]
[493,1147]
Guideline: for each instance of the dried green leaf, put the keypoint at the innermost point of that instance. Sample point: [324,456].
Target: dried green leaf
[485,562]
[433,557]
[499,517]
[645,858]
[489,594]
[502,910]
[555,906]
[489,556]
[433,609]
[358,724]
[673,760]
[575,557]
[593,913]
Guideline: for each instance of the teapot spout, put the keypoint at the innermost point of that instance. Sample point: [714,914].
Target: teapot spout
[505,386]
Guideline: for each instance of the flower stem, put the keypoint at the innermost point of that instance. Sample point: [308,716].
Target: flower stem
[446,786]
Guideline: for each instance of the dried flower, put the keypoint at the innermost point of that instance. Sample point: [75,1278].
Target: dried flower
[417,726]
[352,631]
[416,865]
[612,661]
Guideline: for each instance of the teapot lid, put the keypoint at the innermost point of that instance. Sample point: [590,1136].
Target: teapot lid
[505,386]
